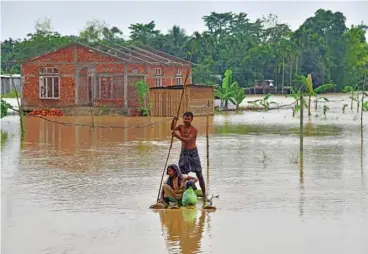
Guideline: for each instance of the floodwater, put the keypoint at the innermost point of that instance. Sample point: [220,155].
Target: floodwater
[78,190]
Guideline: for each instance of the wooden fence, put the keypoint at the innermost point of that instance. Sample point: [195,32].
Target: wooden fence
[165,101]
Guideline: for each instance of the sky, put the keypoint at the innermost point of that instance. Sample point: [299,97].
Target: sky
[18,18]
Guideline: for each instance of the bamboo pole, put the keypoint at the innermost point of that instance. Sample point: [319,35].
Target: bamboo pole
[361,125]
[301,134]
[172,137]
[92,116]
[208,147]
[361,111]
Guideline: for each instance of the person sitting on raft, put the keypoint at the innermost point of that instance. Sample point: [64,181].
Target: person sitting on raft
[175,185]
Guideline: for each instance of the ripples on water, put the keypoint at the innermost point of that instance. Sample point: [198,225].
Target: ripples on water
[77,190]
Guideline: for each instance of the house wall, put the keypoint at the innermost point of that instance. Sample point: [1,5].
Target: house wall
[72,63]
[31,87]
[168,75]
[63,60]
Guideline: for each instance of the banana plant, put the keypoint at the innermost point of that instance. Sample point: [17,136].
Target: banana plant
[352,90]
[263,102]
[226,91]
[319,90]
[296,96]
[238,95]
[310,92]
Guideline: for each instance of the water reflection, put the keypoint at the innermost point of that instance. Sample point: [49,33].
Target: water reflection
[361,149]
[85,190]
[44,133]
[183,230]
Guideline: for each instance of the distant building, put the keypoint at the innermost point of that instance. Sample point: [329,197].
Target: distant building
[78,75]
[7,84]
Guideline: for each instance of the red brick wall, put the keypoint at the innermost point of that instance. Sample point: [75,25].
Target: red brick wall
[63,59]
[31,88]
[168,75]
[87,55]
[132,94]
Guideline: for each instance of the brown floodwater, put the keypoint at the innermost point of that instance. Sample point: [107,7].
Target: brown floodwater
[82,190]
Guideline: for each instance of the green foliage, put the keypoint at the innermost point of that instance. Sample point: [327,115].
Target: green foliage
[4,108]
[226,91]
[351,90]
[365,106]
[104,109]
[238,96]
[296,96]
[348,89]
[262,103]
[143,97]
[309,91]
[11,94]
[230,91]
[258,49]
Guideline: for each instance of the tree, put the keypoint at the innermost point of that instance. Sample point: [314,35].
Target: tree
[356,55]
[263,48]
[96,30]
[143,33]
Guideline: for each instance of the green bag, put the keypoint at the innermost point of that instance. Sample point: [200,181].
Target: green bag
[189,197]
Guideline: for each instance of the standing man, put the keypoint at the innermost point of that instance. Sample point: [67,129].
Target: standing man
[189,159]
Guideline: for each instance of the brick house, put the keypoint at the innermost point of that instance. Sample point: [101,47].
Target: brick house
[78,75]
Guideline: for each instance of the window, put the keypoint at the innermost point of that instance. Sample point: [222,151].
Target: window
[178,77]
[178,81]
[158,71]
[158,78]
[49,83]
[105,87]
[158,81]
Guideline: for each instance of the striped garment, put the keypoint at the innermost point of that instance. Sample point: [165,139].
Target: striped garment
[189,161]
